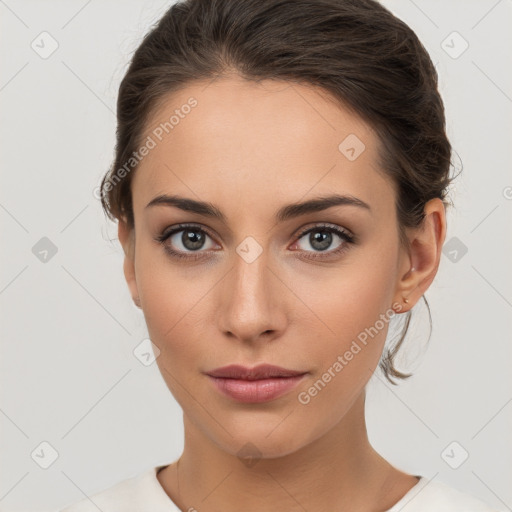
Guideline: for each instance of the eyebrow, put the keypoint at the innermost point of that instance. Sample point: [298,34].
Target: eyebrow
[285,213]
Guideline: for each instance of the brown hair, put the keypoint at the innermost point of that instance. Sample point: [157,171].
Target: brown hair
[365,57]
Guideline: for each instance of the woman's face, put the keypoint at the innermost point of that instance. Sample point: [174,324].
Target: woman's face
[251,287]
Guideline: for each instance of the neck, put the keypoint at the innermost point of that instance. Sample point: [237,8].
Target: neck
[338,471]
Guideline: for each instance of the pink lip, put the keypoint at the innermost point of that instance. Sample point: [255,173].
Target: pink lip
[255,385]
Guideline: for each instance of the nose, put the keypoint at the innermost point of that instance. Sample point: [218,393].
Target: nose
[252,301]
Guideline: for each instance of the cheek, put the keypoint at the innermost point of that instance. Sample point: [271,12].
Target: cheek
[353,308]
[171,308]
[172,318]
[173,314]
[358,316]
[178,316]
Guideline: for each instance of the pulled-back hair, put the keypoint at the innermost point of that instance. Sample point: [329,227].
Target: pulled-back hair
[356,50]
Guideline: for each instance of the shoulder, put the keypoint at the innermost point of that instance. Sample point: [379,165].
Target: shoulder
[431,495]
[133,494]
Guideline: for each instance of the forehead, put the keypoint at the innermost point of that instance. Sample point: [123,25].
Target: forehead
[240,143]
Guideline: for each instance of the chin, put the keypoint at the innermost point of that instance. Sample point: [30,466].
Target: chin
[255,438]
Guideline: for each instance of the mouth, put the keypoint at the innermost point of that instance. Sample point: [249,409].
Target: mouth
[260,384]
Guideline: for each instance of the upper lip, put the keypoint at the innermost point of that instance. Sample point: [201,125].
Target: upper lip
[262,371]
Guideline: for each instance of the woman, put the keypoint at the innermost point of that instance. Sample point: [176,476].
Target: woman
[280,184]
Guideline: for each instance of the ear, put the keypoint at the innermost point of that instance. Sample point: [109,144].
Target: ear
[126,237]
[423,256]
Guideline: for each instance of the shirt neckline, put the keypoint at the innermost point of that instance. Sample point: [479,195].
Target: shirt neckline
[165,498]
[409,495]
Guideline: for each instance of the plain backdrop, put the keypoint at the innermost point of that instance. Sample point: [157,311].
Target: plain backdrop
[75,398]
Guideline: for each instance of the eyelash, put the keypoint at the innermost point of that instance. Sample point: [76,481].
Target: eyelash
[347,237]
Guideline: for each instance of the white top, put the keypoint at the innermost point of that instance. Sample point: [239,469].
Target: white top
[145,493]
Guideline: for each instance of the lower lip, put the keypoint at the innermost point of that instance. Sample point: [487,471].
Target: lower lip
[256,391]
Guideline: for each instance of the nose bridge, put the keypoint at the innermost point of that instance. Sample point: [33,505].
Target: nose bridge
[247,307]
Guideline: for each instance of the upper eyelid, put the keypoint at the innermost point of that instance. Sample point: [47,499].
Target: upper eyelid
[328,226]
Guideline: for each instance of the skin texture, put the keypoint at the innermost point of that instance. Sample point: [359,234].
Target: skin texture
[250,148]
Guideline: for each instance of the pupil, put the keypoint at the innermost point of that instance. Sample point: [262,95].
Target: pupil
[323,238]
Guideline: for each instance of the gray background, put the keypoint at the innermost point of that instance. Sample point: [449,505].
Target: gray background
[68,327]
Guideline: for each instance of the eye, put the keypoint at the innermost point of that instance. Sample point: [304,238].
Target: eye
[322,237]
[192,242]
[183,240]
